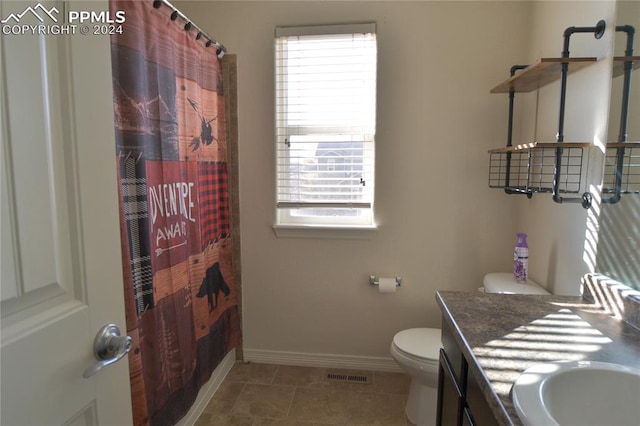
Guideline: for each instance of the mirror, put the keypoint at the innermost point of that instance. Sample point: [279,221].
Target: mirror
[619,236]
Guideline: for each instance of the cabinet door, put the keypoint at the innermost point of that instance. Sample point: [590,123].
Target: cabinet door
[475,400]
[449,396]
[454,355]
[467,418]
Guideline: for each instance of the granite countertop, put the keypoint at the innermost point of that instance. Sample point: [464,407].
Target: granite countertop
[501,335]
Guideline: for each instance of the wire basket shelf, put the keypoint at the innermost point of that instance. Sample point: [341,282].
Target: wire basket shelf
[531,168]
[629,155]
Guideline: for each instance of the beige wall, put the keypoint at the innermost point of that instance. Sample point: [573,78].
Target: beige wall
[627,13]
[619,244]
[441,227]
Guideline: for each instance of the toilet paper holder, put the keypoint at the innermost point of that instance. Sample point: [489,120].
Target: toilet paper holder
[373,280]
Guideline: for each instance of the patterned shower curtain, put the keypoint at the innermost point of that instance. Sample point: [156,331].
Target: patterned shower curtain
[180,298]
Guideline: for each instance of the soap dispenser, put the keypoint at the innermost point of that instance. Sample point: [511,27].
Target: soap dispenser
[521,259]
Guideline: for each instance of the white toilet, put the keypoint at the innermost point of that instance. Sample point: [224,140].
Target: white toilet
[416,351]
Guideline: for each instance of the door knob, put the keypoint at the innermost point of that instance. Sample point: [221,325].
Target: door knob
[108,347]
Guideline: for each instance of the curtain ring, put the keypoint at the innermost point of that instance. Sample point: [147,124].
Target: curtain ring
[157,4]
[188,26]
[174,15]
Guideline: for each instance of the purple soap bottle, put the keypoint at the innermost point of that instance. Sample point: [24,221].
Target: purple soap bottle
[521,259]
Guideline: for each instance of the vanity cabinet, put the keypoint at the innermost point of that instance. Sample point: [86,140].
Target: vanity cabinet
[460,400]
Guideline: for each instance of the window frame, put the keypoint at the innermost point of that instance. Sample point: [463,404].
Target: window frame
[286,219]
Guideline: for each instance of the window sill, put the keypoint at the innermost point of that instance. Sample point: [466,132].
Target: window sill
[348,232]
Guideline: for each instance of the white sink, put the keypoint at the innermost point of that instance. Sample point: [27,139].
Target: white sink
[578,393]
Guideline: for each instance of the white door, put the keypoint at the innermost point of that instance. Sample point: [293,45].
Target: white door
[61,272]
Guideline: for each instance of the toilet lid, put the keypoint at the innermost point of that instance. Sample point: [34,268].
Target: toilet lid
[420,342]
[503,282]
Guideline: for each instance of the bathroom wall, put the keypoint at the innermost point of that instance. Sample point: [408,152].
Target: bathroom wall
[563,237]
[441,227]
[619,243]
[627,13]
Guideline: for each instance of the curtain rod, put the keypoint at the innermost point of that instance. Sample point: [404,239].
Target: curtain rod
[220,49]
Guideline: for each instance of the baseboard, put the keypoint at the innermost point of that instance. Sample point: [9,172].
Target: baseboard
[321,360]
[209,389]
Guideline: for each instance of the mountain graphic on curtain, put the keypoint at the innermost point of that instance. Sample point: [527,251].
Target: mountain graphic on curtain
[180,298]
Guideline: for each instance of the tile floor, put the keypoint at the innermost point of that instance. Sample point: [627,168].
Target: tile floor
[278,395]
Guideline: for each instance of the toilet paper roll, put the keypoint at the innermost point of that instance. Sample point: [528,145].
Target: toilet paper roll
[387,285]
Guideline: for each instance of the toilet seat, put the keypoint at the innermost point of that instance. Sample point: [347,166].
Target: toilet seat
[420,344]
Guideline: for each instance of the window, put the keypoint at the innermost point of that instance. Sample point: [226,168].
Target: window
[325,124]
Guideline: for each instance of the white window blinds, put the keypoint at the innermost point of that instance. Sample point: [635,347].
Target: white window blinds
[325,123]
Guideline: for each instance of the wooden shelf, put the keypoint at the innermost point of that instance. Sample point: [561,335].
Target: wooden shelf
[540,145]
[543,72]
[618,64]
[623,144]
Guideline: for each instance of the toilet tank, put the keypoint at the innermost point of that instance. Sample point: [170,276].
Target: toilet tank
[503,282]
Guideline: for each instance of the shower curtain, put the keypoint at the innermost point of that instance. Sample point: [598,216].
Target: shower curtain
[180,298]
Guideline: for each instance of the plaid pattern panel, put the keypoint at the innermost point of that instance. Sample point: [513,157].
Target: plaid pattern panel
[134,202]
[213,191]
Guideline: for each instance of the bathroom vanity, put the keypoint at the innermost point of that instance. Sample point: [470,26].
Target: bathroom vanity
[490,339]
